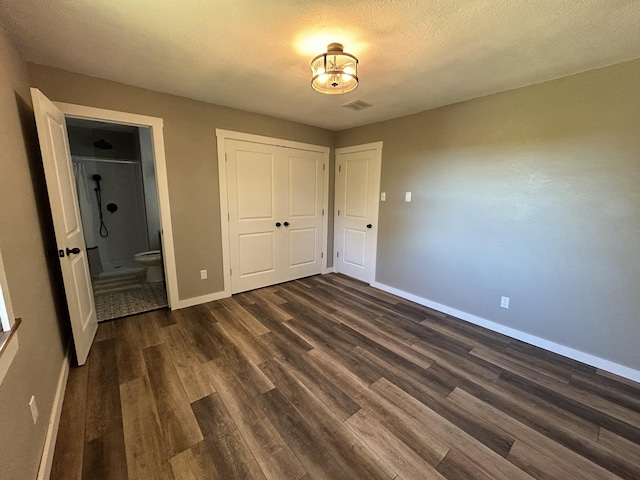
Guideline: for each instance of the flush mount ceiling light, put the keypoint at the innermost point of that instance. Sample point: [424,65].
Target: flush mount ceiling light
[334,72]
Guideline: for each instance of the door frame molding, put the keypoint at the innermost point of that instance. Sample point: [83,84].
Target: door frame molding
[156,125]
[377,146]
[222,136]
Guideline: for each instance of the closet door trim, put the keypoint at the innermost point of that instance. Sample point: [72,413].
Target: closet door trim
[224,135]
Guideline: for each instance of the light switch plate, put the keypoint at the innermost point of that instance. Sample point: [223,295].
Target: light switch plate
[383,196]
[407,196]
[34,409]
[504,302]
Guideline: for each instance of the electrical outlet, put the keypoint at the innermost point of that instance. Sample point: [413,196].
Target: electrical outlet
[203,274]
[34,409]
[504,302]
[407,196]
[383,196]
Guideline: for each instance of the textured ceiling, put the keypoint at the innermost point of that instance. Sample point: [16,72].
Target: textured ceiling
[254,55]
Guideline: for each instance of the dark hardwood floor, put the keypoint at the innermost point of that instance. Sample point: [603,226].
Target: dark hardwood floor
[327,378]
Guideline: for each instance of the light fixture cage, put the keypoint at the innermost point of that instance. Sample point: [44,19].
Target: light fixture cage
[334,72]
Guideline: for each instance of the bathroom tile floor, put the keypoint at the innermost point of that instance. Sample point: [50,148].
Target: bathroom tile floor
[143,298]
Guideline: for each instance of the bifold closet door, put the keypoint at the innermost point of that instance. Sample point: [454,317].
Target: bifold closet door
[275,213]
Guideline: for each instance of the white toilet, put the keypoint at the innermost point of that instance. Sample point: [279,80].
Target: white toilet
[152,260]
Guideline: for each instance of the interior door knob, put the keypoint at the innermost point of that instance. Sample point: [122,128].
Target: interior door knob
[278,224]
[369,225]
[74,250]
[286,224]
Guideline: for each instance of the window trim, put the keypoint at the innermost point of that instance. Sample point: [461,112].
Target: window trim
[8,326]
[6,335]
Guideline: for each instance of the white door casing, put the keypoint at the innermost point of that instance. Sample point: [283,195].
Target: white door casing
[155,124]
[356,210]
[275,213]
[56,158]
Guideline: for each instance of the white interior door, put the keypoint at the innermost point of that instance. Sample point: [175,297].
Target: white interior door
[275,197]
[56,158]
[253,181]
[302,213]
[356,219]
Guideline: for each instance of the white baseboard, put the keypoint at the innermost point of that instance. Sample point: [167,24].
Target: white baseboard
[46,460]
[583,357]
[190,302]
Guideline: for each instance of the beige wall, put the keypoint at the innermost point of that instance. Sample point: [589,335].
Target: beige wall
[23,229]
[533,194]
[190,146]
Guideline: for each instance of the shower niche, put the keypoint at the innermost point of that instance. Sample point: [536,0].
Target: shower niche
[115,181]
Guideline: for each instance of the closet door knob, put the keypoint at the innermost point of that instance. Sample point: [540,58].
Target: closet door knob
[369,226]
[286,224]
[278,224]
[74,250]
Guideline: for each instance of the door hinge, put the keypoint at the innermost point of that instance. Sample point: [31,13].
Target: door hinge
[323,212]
[228,216]
[323,165]
[231,271]
[338,212]
[226,157]
[339,168]
[338,254]
[321,254]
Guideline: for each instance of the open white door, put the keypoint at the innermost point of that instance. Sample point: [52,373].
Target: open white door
[56,157]
[356,219]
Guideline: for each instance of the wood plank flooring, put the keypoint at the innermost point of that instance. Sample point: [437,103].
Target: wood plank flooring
[328,378]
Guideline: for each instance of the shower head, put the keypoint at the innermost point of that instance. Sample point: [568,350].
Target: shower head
[96,177]
[102,144]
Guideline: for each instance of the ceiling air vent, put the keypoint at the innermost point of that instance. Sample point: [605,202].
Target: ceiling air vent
[357,105]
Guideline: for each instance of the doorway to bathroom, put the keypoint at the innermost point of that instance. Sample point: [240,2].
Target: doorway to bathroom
[115,178]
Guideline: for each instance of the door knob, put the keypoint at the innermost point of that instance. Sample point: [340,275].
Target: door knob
[75,250]
[286,224]
[369,225]
[278,224]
